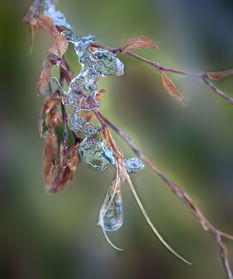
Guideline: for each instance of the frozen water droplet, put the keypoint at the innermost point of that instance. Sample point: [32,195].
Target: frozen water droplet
[133,165]
[89,129]
[96,154]
[75,122]
[70,36]
[57,17]
[107,64]
[111,213]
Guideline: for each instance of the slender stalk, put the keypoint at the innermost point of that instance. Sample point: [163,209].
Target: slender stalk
[182,195]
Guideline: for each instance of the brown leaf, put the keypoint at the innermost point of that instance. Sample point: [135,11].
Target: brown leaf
[45,75]
[50,154]
[64,169]
[219,75]
[52,115]
[57,49]
[138,43]
[171,89]
[100,94]
[59,44]
[65,71]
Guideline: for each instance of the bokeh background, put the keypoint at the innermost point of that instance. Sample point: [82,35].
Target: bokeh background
[55,236]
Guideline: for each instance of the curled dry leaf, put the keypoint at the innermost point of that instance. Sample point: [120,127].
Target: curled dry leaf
[219,75]
[57,48]
[65,71]
[138,43]
[59,44]
[100,94]
[171,89]
[87,115]
[45,75]
[63,170]
[50,154]
[52,116]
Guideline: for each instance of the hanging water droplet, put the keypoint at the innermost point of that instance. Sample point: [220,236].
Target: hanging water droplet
[95,153]
[111,213]
[133,165]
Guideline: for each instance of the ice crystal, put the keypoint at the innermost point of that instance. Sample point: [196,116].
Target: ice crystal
[95,153]
[111,213]
[133,165]
[57,17]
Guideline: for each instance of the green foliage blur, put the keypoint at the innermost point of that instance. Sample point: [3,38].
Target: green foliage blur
[55,236]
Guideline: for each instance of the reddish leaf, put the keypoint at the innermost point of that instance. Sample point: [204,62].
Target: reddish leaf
[138,43]
[57,49]
[50,154]
[52,116]
[100,94]
[171,89]
[45,75]
[219,75]
[59,44]
[64,169]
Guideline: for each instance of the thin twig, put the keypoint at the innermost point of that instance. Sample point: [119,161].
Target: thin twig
[184,197]
[204,77]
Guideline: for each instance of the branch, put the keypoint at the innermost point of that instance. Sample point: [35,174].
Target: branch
[184,197]
[204,77]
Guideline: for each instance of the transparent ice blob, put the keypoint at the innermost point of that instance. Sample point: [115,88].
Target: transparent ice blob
[133,165]
[96,154]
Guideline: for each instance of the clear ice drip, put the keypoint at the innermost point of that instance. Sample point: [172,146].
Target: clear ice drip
[111,213]
[94,153]
[133,165]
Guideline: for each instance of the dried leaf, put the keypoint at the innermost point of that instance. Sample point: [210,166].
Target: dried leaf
[50,154]
[64,169]
[57,49]
[87,115]
[45,75]
[138,43]
[65,71]
[100,94]
[171,89]
[52,116]
[59,45]
[219,75]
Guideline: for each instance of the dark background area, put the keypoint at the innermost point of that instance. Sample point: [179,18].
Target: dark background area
[55,236]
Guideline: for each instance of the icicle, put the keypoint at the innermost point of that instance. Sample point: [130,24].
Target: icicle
[111,212]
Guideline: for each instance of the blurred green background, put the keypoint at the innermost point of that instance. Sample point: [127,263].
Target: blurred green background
[55,236]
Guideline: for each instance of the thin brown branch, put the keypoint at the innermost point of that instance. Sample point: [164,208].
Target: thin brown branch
[204,77]
[181,194]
